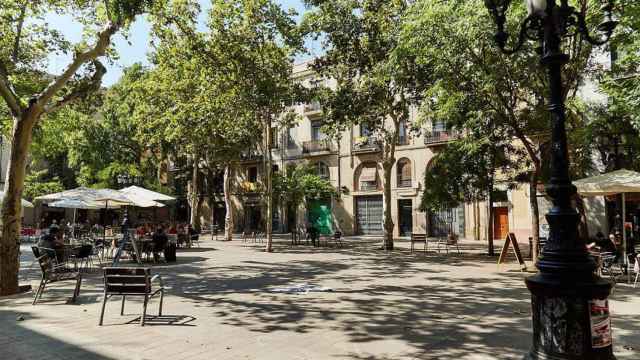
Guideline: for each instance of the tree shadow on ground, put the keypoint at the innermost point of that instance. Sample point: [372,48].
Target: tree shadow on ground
[13,332]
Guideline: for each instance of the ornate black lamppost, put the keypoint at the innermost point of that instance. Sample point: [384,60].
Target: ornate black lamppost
[569,302]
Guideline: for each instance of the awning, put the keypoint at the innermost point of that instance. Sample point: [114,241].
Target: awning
[369,174]
[615,182]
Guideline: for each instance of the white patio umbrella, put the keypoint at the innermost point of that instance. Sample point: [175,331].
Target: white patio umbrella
[142,193]
[23,202]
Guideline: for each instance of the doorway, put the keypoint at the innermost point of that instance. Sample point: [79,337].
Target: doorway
[500,222]
[405,217]
[369,215]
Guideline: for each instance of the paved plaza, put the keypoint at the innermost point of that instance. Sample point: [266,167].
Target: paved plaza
[226,301]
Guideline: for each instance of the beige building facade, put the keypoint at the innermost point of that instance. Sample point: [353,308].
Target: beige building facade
[352,166]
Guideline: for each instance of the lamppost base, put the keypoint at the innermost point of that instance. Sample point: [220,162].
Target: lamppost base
[570,318]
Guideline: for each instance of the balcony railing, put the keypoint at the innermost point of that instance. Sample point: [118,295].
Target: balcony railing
[313,107]
[406,183]
[439,137]
[370,145]
[317,146]
[403,140]
[368,186]
[251,155]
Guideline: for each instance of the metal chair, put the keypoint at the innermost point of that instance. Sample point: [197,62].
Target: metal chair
[337,238]
[419,238]
[52,272]
[128,281]
[449,240]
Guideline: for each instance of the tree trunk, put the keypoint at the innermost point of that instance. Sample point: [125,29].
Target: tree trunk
[387,166]
[535,216]
[194,202]
[268,188]
[490,234]
[12,206]
[228,219]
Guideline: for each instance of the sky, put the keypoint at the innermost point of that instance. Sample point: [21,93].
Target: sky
[131,50]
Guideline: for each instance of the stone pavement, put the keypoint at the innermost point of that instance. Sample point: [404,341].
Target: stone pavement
[221,304]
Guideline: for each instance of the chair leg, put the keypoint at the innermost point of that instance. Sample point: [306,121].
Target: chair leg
[104,303]
[412,246]
[144,310]
[161,300]
[44,284]
[76,291]
[122,306]
[40,288]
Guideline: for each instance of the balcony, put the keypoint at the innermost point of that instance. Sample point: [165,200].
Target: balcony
[366,145]
[251,155]
[313,108]
[440,137]
[405,183]
[403,140]
[315,146]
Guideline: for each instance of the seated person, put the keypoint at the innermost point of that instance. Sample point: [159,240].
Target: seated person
[598,242]
[193,234]
[50,245]
[159,242]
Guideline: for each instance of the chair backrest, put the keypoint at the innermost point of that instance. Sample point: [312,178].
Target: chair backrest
[46,263]
[337,235]
[418,237]
[84,251]
[127,280]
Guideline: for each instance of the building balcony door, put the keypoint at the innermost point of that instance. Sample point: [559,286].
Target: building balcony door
[500,222]
[405,217]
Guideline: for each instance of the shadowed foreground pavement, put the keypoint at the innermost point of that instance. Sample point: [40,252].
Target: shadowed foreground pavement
[221,304]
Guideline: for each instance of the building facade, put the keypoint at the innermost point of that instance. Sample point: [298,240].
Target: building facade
[352,166]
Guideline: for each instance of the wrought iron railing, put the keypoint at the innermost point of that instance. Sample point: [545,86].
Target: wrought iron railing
[440,136]
[317,146]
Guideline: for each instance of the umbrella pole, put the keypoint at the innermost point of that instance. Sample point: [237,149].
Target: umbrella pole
[104,223]
[624,237]
[73,226]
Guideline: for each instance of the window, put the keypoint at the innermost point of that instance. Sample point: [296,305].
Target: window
[316,131]
[364,130]
[252,174]
[368,179]
[322,170]
[500,195]
[404,173]
[291,143]
[274,138]
[439,126]
[403,137]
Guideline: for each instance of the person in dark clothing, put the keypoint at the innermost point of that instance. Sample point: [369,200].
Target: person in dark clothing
[159,242]
[193,234]
[50,245]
